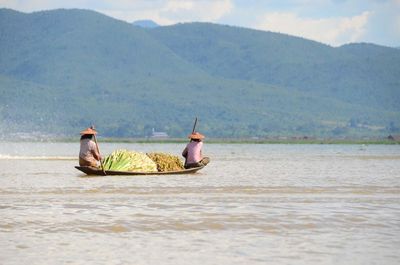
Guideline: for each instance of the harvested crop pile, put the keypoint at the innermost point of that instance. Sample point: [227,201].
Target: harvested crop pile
[124,160]
[166,162]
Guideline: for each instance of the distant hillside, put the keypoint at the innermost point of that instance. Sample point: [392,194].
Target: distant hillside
[363,74]
[146,24]
[63,70]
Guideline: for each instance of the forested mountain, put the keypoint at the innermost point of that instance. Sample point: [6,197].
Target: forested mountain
[356,73]
[63,70]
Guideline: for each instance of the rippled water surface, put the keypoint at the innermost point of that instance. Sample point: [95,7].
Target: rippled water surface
[253,204]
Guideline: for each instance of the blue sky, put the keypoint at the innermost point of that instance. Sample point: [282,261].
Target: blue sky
[334,22]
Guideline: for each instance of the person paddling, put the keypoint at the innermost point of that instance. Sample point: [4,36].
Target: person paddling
[88,154]
[193,151]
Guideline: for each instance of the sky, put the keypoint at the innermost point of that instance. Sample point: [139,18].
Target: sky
[333,22]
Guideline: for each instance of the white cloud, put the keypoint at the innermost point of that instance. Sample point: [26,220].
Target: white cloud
[162,11]
[38,5]
[333,31]
[196,10]
[397,25]
[171,11]
[178,6]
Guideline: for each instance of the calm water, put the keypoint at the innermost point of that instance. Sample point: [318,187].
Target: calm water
[253,204]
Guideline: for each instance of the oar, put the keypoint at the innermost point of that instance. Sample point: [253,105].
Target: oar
[194,126]
[98,151]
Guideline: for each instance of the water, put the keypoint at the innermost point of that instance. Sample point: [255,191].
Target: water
[253,204]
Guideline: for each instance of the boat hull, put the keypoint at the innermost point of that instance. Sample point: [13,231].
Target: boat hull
[99,172]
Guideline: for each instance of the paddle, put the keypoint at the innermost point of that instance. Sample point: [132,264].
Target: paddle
[98,151]
[194,126]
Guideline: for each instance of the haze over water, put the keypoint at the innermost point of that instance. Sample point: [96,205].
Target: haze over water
[253,204]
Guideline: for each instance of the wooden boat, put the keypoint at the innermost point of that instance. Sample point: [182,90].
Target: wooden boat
[99,172]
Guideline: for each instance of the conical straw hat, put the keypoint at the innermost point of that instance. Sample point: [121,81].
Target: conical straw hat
[196,136]
[88,131]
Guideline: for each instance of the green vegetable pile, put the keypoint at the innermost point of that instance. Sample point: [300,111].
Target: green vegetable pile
[124,160]
[166,162]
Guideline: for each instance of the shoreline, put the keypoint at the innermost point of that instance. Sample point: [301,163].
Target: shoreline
[380,141]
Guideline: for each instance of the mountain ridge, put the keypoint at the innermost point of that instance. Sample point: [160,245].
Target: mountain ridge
[290,67]
[78,67]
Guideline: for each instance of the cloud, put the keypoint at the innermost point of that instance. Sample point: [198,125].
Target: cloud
[162,11]
[333,31]
[38,5]
[384,25]
[170,12]
[196,10]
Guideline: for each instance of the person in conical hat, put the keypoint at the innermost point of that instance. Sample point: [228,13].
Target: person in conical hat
[193,151]
[88,154]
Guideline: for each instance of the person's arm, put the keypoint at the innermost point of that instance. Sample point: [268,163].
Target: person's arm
[201,150]
[97,155]
[185,152]
[94,151]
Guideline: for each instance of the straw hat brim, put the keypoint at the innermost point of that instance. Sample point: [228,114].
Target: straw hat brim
[88,131]
[196,136]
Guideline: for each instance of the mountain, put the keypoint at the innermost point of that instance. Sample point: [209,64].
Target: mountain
[356,73]
[145,23]
[63,70]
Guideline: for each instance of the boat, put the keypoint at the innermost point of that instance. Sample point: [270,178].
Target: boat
[98,171]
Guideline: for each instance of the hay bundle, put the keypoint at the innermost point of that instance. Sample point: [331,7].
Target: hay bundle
[166,162]
[124,160]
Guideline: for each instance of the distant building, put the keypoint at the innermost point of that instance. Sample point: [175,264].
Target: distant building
[394,137]
[158,135]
